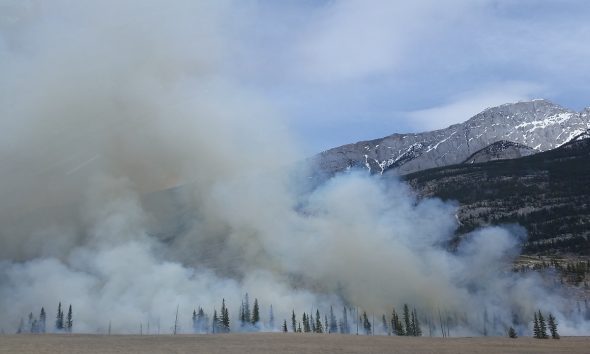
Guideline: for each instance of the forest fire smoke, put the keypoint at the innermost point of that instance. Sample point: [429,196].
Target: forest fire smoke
[103,108]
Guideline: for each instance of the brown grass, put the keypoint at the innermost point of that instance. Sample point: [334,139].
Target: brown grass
[282,343]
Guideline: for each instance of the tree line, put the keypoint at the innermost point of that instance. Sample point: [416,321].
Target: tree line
[63,323]
[404,323]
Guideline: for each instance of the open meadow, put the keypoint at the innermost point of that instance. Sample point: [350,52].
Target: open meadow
[282,343]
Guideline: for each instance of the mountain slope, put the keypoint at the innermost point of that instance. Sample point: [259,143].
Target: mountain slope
[500,150]
[539,124]
[548,193]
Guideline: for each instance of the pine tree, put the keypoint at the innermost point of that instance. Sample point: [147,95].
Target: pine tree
[224,317]
[311,323]
[215,322]
[542,327]
[69,320]
[512,333]
[384,325]
[255,313]
[246,307]
[59,321]
[416,330]
[407,320]
[285,326]
[333,324]
[536,330]
[30,323]
[552,322]
[318,322]
[344,327]
[366,323]
[396,324]
[42,320]
[293,321]
[271,318]
[241,315]
[306,327]
[195,326]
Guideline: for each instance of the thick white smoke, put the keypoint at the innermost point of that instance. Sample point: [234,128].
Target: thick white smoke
[138,176]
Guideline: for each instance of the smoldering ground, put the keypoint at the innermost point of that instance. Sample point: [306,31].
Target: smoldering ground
[138,175]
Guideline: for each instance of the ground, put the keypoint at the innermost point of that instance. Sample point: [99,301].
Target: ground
[282,343]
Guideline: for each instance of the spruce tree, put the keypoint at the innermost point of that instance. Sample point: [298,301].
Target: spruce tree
[552,322]
[396,324]
[306,327]
[318,322]
[542,327]
[311,323]
[241,315]
[246,306]
[366,323]
[512,333]
[299,328]
[333,324]
[536,330]
[224,317]
[293,321]
[271,318]
[407,320]
[42,320]
[344,327]
[417,331]
[285,326]
[69,320]
[59,320]
[194,320]
[326,324]
[384,325]
[30,323]
[255,313]
[215,322]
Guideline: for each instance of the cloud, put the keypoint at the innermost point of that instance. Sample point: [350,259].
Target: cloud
[351,39]
[467,104]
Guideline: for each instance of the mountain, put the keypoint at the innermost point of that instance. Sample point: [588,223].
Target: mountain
[548,193]
[538,124]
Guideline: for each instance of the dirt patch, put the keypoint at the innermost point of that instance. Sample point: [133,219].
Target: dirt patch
[282,343]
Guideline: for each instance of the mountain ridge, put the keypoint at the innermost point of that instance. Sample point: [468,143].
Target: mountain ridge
[539,124]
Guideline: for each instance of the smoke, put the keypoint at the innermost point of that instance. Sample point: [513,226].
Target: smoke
[138,175]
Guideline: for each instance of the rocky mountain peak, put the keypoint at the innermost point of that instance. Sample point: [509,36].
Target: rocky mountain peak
[538,124]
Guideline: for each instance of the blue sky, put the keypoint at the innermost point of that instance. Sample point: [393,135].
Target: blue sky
[339,71]
[350,70]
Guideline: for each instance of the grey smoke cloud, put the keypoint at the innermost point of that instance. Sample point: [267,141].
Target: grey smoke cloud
[138,176]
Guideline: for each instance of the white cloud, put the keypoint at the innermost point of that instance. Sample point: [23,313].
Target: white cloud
[355,39]
[462,107]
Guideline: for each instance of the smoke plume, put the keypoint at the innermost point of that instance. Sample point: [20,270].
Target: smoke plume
[139,175]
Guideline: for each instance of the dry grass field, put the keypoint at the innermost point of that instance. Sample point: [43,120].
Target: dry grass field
[282,343]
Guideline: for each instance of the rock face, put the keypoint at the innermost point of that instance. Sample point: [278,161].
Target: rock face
[548,193]
[500,150]
[538,124]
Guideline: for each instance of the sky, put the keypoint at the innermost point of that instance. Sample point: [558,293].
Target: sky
[350,70]
[341,71]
